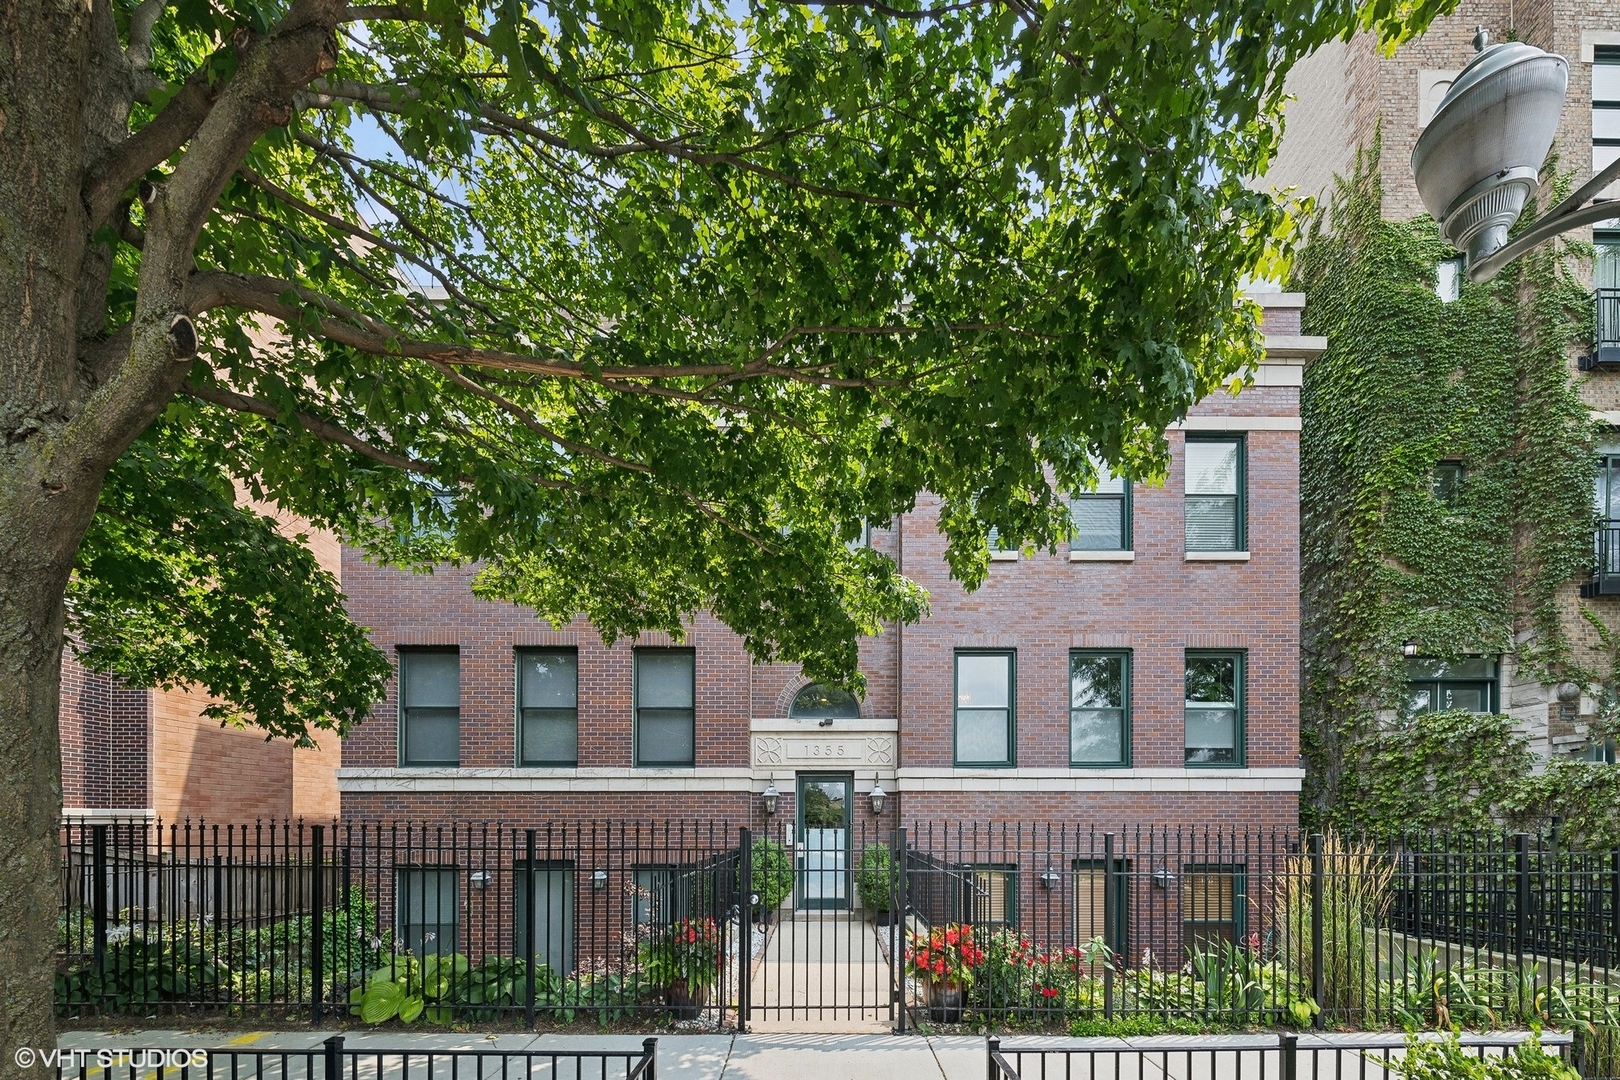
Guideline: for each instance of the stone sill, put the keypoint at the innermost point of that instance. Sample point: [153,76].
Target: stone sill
[1102,556]
[1217,556]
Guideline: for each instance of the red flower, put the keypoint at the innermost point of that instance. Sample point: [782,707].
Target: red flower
[1049,992]
[952,937]
[922,957]
[939,967]
[691,936]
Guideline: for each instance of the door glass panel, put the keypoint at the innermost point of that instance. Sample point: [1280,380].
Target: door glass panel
[823,842]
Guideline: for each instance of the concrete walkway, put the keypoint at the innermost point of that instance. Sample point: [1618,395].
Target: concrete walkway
[821,956]
[766,1056]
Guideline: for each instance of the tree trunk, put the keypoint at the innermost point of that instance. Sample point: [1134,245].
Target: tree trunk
[32,581]
[47,496]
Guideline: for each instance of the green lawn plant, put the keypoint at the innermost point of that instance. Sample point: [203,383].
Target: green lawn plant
[1444,1058]
[874,880]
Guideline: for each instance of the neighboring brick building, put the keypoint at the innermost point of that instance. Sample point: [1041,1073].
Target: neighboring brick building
[1346,91]
[151,753]
[1112,622]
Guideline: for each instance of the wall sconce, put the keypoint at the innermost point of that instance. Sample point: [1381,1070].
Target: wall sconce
[770,795]
[1163,878]
[1050,878]
[1409,648]
[599,879]
[877,796]
[480,879]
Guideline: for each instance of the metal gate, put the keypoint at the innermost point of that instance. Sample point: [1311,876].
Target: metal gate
[827,940]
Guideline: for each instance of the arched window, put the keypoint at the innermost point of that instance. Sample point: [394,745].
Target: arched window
[819,702]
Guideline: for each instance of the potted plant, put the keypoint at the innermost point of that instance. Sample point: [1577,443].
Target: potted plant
[875,882]
[684,959]
[773,877]
[943,960]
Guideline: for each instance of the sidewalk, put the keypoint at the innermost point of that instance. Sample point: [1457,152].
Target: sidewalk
[776,1055]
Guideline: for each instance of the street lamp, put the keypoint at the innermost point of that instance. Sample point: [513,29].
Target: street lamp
[1480,157]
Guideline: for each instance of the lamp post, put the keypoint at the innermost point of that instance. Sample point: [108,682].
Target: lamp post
[1480,156]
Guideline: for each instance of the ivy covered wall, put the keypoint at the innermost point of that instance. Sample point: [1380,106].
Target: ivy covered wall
[1408,382]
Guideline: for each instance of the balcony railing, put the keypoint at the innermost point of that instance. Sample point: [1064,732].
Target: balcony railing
[1606,560]
[1606,347]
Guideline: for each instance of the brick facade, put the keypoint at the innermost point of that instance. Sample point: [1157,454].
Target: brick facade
[1041,605]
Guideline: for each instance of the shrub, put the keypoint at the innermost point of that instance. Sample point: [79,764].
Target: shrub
[1445,1059]
[773,873]
[876,878]
[1355,884]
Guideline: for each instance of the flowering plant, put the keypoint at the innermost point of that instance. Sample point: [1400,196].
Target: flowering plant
[687,950]
[946,955]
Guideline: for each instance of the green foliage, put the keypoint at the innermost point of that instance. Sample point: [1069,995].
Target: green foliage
[773,873]
[1355,896]
[138,970]
[686,951]
[1134,1026]
[1445,1059]
[178,585]
[875,877]
[716,284]
[1407,382]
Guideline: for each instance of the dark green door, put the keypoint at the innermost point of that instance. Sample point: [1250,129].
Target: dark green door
[823,859]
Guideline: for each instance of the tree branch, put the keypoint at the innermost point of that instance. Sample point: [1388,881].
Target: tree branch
[229,399]
[109,177]
[141,25]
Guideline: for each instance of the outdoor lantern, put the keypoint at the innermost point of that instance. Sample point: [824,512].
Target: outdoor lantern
[770,795]
[1049,878]
[878,795]
[480,879]
[598,879]
[1409,648]
[1480,156]
[1163,878]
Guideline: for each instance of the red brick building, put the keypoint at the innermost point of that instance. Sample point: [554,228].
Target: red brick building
[1070,672]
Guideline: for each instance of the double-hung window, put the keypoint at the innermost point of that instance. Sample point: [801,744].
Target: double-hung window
[548,707]
[984,708]
[429,707]
[1437,685]
[1214,708]
[992,895]
[1101,519]
[1099,708]
[1215,497]
[666,734]
[1606,112]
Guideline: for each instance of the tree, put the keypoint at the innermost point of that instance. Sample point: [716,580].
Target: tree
[646,306]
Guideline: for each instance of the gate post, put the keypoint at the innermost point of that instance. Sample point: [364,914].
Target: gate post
[1521,904]
[317,921]
[1290,1056]
[1110,939]
[1614,907]
[334,1057]
[528,928]
[1318,972]
[745,928]
[98,901]
[897,965]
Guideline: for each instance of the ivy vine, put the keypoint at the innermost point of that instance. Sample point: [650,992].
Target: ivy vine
[1408,382]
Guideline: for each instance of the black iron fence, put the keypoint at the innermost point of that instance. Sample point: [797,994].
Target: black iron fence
[1053,926]
[334,1060]
[1285,1057]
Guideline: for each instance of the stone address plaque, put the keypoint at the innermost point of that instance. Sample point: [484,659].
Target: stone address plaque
[811,750]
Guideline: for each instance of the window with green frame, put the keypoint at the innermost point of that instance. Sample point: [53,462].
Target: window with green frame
[1100,520]
[548,707]
[1447,482]
[1215,494]
[991,894]
[984,713]
[1214,905]
[666,732]
[1099,707]
[429,707]
[1214,708]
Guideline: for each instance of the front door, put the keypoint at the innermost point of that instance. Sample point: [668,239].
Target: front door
[822,879]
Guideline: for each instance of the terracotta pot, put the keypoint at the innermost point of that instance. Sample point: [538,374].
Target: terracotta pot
[686,1002]
[945,1001]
